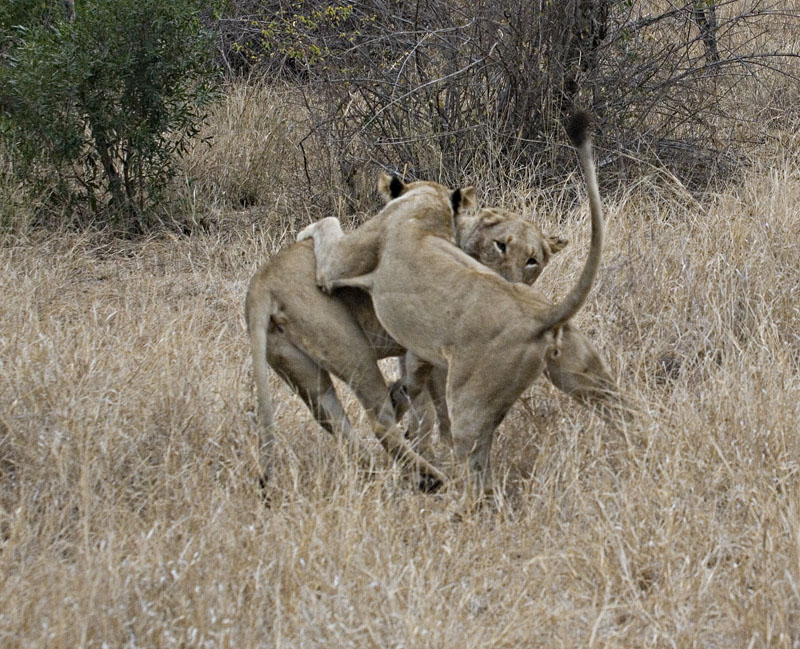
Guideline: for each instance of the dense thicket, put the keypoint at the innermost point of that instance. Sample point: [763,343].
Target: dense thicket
[447,87]
[95,110]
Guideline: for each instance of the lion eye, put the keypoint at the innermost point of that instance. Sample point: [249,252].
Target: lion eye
[500,246]
[532,262]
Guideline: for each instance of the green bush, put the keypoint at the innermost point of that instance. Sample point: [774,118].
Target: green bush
[100,107]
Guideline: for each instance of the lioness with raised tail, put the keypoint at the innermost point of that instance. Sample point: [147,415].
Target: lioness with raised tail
[493,337]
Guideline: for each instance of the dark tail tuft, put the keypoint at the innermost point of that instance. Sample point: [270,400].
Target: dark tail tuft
[579,127]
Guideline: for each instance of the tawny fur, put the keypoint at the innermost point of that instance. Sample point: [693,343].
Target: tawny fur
[307,336]
[492,337]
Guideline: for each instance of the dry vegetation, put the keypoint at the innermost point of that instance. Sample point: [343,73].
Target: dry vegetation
[129,515]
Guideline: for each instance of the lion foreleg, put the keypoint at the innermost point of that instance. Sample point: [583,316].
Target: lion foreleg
[327,235]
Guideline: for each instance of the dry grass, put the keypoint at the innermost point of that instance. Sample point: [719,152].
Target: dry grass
[129,515]
[255,151]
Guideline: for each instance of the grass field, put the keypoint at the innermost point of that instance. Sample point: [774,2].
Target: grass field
[130,517]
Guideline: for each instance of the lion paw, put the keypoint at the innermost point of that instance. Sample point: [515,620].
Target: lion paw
[429,483]
[324,284]
[307,232]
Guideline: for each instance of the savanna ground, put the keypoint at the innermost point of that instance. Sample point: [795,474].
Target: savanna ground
[129,512]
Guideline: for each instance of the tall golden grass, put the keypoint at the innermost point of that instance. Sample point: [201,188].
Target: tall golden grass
[129,516]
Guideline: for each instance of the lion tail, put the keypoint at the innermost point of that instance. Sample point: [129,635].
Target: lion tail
[578,129]
[258,318]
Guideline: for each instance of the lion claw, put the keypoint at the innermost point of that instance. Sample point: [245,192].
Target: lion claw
[324,285]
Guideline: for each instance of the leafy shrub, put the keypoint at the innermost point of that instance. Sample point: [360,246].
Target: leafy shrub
[16,14]
[102,105]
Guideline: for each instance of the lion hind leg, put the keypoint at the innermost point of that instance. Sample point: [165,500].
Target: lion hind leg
[341,260]
[437,382]
[313,384]
[472,444]
[477,403]
[473,419]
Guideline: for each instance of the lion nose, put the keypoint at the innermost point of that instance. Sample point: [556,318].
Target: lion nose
[513,274]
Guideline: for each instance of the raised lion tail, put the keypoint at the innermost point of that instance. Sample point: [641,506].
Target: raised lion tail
[578,129]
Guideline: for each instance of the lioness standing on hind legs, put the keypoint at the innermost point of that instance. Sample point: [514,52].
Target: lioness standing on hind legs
[492,337]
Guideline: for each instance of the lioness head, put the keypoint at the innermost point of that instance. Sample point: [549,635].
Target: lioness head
[391,187]
[514,248]
[511,246]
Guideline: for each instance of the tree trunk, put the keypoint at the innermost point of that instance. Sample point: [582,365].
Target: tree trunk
[69,10]
[704,13]
[590,27]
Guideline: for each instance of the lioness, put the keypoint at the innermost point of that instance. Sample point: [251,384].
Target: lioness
[493,337]
[306,335]
[578,370]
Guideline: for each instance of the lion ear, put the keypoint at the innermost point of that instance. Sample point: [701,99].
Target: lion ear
[467,197]
[390,186]
[462,199]
[557,244]
[489,217]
